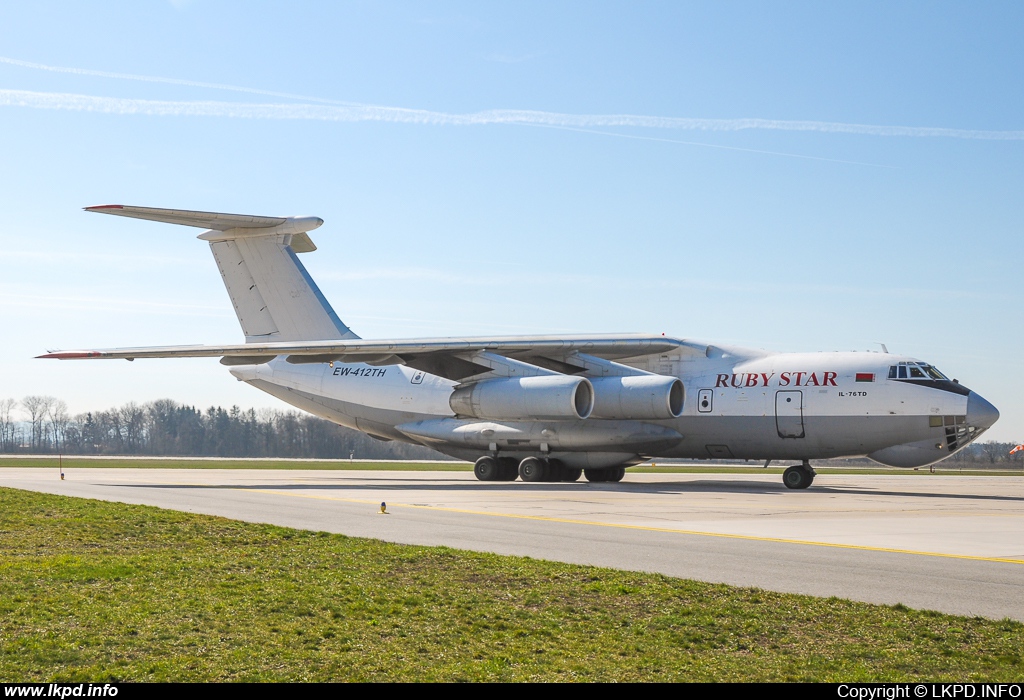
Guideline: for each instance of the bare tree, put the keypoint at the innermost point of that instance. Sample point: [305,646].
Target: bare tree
[37,407]
[7,407]
[993,451]
[57,413]
[133,426]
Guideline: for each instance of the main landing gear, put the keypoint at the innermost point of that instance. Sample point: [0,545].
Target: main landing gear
[532,469]
[799,477]
[491,469]
[599,475]
[536,469]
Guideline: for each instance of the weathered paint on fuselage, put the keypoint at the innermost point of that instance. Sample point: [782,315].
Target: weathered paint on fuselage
[738,404]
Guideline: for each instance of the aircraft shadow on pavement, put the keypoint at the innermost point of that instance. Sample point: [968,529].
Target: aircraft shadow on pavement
[582,487]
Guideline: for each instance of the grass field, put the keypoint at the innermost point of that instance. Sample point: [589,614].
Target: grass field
[50,461]
[216,463]
[91,590]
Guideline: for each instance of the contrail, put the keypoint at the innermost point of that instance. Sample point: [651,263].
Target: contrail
[715,145]
[155,79]
[350,112]
[401,115]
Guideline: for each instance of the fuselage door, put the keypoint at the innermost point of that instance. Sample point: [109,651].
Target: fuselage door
[789,413]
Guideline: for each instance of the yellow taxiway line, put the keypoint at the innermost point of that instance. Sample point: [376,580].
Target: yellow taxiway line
[648,528]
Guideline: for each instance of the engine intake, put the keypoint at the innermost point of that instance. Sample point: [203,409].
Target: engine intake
[548,397]
[645,397]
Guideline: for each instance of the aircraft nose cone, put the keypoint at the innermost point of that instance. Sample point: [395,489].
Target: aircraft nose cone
[980,413]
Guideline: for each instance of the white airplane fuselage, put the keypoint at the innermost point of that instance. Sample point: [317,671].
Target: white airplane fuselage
[554,407]
[738,404]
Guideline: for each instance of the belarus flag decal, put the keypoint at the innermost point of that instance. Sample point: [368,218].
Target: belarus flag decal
[865,377]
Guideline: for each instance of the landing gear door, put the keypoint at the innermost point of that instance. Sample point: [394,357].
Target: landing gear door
[789,413]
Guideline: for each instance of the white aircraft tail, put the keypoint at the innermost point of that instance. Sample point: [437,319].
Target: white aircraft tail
[273,295]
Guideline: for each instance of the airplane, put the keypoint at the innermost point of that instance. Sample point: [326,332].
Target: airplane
[553,408]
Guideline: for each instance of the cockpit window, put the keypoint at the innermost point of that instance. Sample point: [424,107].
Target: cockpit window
[915,370]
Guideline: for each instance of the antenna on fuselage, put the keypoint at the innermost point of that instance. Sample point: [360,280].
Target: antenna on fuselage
[884,349]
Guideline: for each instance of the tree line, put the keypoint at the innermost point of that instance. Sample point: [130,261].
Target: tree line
[991,454]
[42,424]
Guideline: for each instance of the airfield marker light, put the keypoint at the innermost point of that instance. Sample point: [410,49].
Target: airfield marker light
[384,508]
[60,465]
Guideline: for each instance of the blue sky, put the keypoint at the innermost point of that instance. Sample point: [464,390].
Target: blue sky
[818,225]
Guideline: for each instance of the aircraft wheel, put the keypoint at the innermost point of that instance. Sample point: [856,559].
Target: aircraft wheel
[556,470]
[532,469]
[487,469]
[508,469]
[570,474]
[596,475]
[797,478]
[616,473]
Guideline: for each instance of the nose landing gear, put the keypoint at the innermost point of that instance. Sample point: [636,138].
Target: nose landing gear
[799,477]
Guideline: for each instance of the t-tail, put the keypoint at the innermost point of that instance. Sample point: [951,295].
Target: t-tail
[274,297]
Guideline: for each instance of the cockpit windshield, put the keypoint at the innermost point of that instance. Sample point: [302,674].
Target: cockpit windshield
[915,370]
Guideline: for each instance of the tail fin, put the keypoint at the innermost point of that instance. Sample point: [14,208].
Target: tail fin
[273,295]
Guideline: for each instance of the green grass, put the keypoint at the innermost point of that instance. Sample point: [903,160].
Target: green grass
[101,591]
[50,462]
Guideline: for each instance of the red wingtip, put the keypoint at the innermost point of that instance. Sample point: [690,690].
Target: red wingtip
[78,355]
[104,206]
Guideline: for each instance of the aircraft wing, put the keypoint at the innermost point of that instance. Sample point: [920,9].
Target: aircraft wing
[452,358]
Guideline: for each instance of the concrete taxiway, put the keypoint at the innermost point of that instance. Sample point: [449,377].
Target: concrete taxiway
[939,542]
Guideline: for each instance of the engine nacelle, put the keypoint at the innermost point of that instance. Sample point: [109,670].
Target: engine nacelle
[644,397]
[548,397]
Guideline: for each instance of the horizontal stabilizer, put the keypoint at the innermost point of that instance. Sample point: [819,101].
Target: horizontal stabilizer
[237,224]
[200,219]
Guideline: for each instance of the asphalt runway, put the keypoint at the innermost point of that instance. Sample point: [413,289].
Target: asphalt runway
[939,542]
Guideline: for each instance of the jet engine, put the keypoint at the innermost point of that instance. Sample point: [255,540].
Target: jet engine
[548,397]
[644,397]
